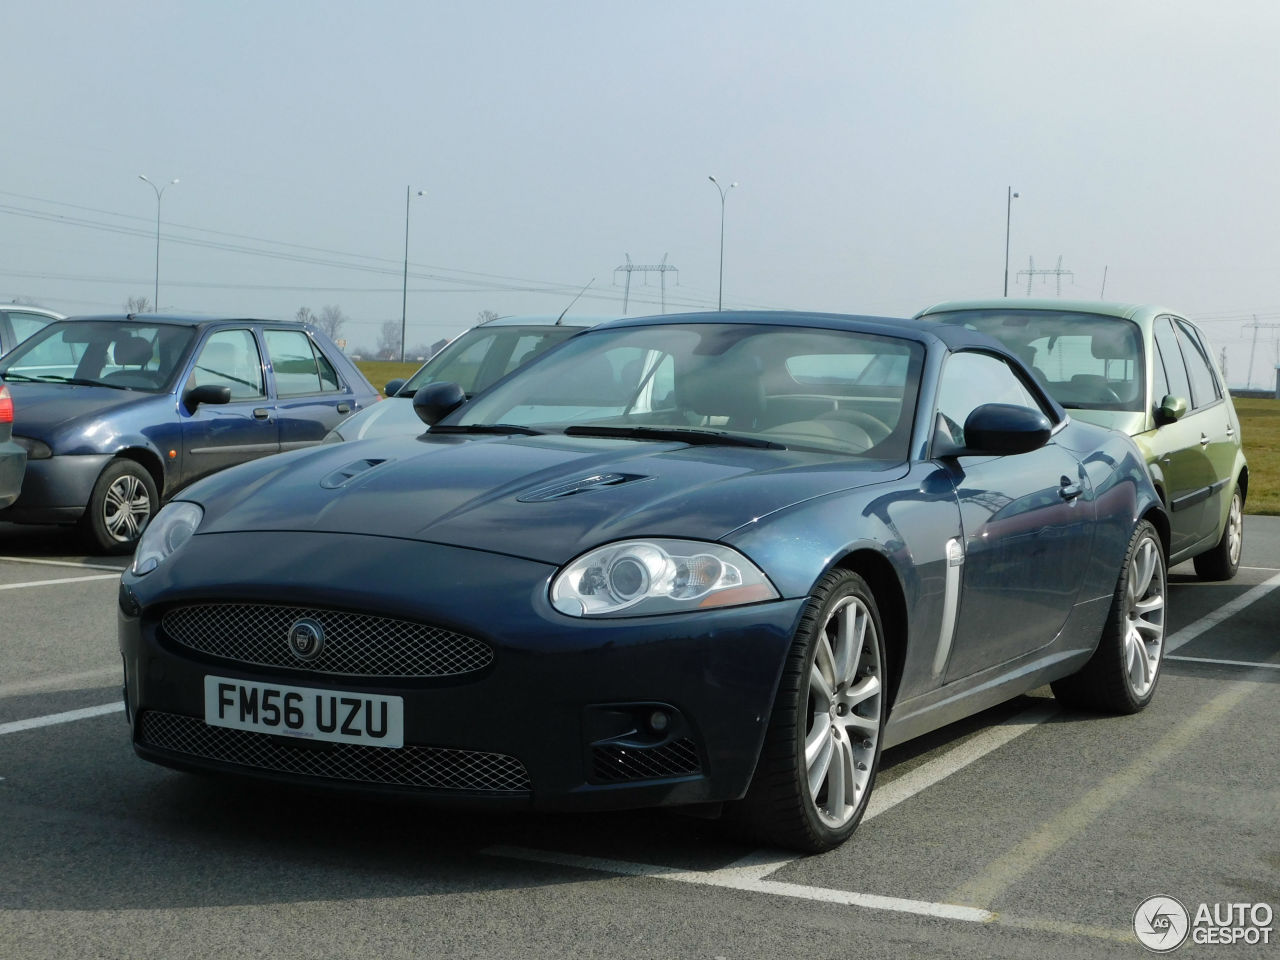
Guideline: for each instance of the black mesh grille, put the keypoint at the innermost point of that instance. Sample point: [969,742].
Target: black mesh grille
[435,768]
[615,763]
[355,645]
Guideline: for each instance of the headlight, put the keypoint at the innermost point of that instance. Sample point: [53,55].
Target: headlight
[168,530]
[36,449]
[644,577]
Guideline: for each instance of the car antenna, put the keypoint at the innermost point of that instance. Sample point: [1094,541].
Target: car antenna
[573,301]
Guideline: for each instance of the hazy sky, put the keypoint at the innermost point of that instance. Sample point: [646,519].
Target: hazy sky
[873,142]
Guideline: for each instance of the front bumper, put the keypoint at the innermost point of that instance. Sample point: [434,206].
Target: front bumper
[553,721]
[56,489]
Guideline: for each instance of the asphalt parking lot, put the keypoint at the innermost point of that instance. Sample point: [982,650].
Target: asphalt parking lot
[1026,832]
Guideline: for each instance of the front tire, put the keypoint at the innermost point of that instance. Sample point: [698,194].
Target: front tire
[1121,675]
[822,749]
[1222,562]
[122,503]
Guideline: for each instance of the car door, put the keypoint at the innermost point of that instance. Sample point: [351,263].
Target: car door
[215,436]
[1027,525]
[1211,416]
[311,399]
[1180,449]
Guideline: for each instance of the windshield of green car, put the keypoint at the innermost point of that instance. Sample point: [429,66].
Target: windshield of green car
[1085,360]
[130,355]
[832,390]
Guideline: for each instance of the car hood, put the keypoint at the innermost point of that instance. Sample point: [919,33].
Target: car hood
[393,417]
[41,408]
[544,498]
[1126,421]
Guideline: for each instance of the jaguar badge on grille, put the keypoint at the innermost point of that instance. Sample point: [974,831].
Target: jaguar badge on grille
[306,639]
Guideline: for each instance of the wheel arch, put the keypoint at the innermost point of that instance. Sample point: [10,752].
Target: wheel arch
[891,601]
[149,461]
[1157,517]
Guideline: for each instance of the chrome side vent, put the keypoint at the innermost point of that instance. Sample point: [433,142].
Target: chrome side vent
[344,475]
[568,488]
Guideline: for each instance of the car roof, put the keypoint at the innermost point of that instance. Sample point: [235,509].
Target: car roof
[1129,311]
[924,331]
[23,308]
[183,320]
[544,320]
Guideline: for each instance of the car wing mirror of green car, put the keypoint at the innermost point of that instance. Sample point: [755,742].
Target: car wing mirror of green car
[1171,410]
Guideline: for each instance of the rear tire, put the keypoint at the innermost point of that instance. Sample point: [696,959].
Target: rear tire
[1121,675]
[822,749]
[122,504]
[1222,562]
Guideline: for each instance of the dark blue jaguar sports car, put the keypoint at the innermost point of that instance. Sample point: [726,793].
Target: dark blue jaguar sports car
[713,559]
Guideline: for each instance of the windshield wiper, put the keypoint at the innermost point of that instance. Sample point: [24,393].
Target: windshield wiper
[53,378]
[500,428]
[677,434]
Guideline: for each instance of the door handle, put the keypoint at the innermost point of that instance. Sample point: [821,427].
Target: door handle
[344,407]
[1068,490]
[261,413]
[1204,441]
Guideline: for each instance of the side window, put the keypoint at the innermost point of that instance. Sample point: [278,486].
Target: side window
[1174,369]
[297,370]
[25,324]
[1160,386]
[971,379]
[230,358]
[1204,386]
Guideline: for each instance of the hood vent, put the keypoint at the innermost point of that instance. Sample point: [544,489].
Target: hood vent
[344,475]
[567,488]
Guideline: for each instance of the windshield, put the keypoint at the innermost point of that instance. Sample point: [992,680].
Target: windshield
[829,390]
[1084,360]
[125,355]
[484,355]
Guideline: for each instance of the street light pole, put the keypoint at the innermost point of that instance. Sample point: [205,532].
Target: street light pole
[155,303]
[404,295]
[1008,216]
[723,191]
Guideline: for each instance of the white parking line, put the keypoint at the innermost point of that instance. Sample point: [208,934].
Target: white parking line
[1211,620]
[745,879]
[1228,663]
[50,583]
[61,563]
[52,719]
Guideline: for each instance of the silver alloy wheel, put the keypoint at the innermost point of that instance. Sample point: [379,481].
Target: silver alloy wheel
[1235,529]
[1144,614]
[125,508]
[845,704]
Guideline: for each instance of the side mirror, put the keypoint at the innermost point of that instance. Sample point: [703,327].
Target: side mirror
[393,387]
[998,429]
[207,393]
[1171,410]
[436,401]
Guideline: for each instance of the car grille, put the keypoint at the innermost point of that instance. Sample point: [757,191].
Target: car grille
[435,768]
[355,645]
[614,763]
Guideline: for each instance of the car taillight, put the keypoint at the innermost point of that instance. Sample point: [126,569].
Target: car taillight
[6,406]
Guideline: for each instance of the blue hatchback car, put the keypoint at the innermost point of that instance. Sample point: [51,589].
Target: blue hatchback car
[118,413]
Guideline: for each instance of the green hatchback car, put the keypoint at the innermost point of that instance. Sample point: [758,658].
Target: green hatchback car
[1149,372]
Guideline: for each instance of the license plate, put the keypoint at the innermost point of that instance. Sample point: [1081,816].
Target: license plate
[336,716]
